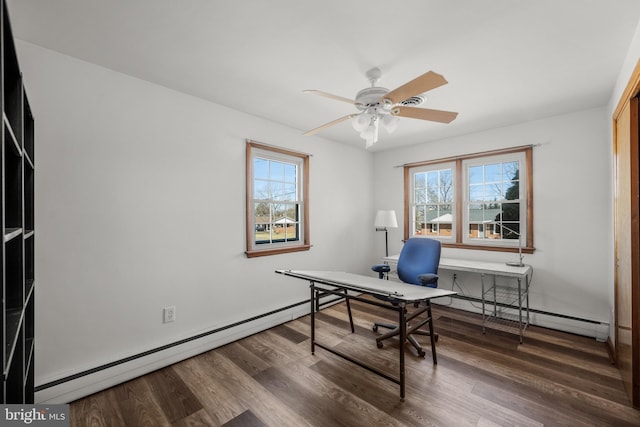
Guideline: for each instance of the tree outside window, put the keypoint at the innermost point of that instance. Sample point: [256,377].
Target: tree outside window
[277,207]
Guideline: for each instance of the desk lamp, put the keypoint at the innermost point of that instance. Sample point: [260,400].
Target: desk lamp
[518,263]
[385,220]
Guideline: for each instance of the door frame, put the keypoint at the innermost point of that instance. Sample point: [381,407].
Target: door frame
[631,91]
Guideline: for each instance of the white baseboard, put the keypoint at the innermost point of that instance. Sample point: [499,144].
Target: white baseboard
[86,385]
[596,329]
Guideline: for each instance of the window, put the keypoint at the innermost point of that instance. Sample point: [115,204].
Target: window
[433,203]
[475,201]
[277,202]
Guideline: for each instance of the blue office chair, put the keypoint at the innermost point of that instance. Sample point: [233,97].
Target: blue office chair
[417,265]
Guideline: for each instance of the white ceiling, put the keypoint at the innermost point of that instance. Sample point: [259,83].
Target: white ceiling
[506,61]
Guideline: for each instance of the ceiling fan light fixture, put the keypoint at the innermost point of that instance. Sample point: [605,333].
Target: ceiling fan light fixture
[390,123]
[368,132]
[377,106]
[361,122]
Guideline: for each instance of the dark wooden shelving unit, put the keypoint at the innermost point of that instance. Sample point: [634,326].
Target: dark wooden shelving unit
[18,227]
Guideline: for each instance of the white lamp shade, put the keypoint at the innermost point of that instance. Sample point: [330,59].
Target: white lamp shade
[361,122]
[386,219]
[390,123]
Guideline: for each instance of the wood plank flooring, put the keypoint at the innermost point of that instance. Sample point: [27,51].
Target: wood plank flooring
[271,379]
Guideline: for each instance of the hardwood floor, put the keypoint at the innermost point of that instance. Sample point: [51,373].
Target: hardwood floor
[271,379]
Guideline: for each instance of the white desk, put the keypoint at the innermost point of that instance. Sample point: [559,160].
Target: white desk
[521,275]
[324,283]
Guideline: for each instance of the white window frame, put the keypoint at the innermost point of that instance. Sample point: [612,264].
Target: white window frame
[301,161]
[519,157]
[431,168]
[460,220]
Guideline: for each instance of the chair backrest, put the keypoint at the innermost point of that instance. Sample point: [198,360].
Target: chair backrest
[419,255]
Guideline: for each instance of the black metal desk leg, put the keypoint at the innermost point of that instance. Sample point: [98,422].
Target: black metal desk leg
[432,334]
[346,297]
[402,321]
[312,286]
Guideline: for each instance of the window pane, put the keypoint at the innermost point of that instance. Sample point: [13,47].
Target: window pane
[262,220]
[513,190]
[476,175]
[476,193]
[492,173]
[433,180]
[511,212]
[260,168]
[510,170]
[290,173]
[261,190]
[446,186]
[276,170]
[493,192]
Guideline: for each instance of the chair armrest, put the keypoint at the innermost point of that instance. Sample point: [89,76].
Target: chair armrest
[428,279]
[381,268]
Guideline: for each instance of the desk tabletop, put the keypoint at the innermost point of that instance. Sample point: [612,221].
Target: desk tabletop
[486,267]
[369,285]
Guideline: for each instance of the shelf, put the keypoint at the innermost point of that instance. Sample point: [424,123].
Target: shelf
[11,233]
[12,331]
[12,79]
[10,138]
[28,131]
[505,295]
[17,253]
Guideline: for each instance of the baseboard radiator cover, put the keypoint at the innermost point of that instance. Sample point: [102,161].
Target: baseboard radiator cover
[561,322]
[76,385]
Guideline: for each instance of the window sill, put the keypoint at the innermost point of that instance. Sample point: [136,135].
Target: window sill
[276,251]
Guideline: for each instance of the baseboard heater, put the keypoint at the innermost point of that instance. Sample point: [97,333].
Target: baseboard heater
[531,310]
[166,347]
[251,319]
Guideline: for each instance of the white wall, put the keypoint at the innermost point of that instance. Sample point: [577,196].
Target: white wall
[140,205]
[572,212]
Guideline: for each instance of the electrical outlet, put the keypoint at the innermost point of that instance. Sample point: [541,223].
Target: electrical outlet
[169,314]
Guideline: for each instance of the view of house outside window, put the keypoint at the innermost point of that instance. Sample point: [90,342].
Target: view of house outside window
[475,200]
[277,202]
[494,203]
[276,207]
[433,208]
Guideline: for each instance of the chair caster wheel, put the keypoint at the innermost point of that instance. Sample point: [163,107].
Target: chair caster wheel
[375,328]
[379,344]
[421,353]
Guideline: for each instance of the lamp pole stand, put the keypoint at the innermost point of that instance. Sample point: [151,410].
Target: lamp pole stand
[386,239]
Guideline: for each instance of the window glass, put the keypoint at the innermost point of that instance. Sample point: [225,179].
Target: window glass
[276,181]
[491,208]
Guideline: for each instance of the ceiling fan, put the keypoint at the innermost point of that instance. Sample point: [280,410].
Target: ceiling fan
[378,105]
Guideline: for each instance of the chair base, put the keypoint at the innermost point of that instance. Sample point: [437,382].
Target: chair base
[411,330]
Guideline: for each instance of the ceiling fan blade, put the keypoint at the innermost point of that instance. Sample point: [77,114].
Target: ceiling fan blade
[326,125]
[330,96]
[425,114]
[425,82]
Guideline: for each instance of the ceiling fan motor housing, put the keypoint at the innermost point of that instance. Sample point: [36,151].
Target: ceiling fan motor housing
[370,97]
